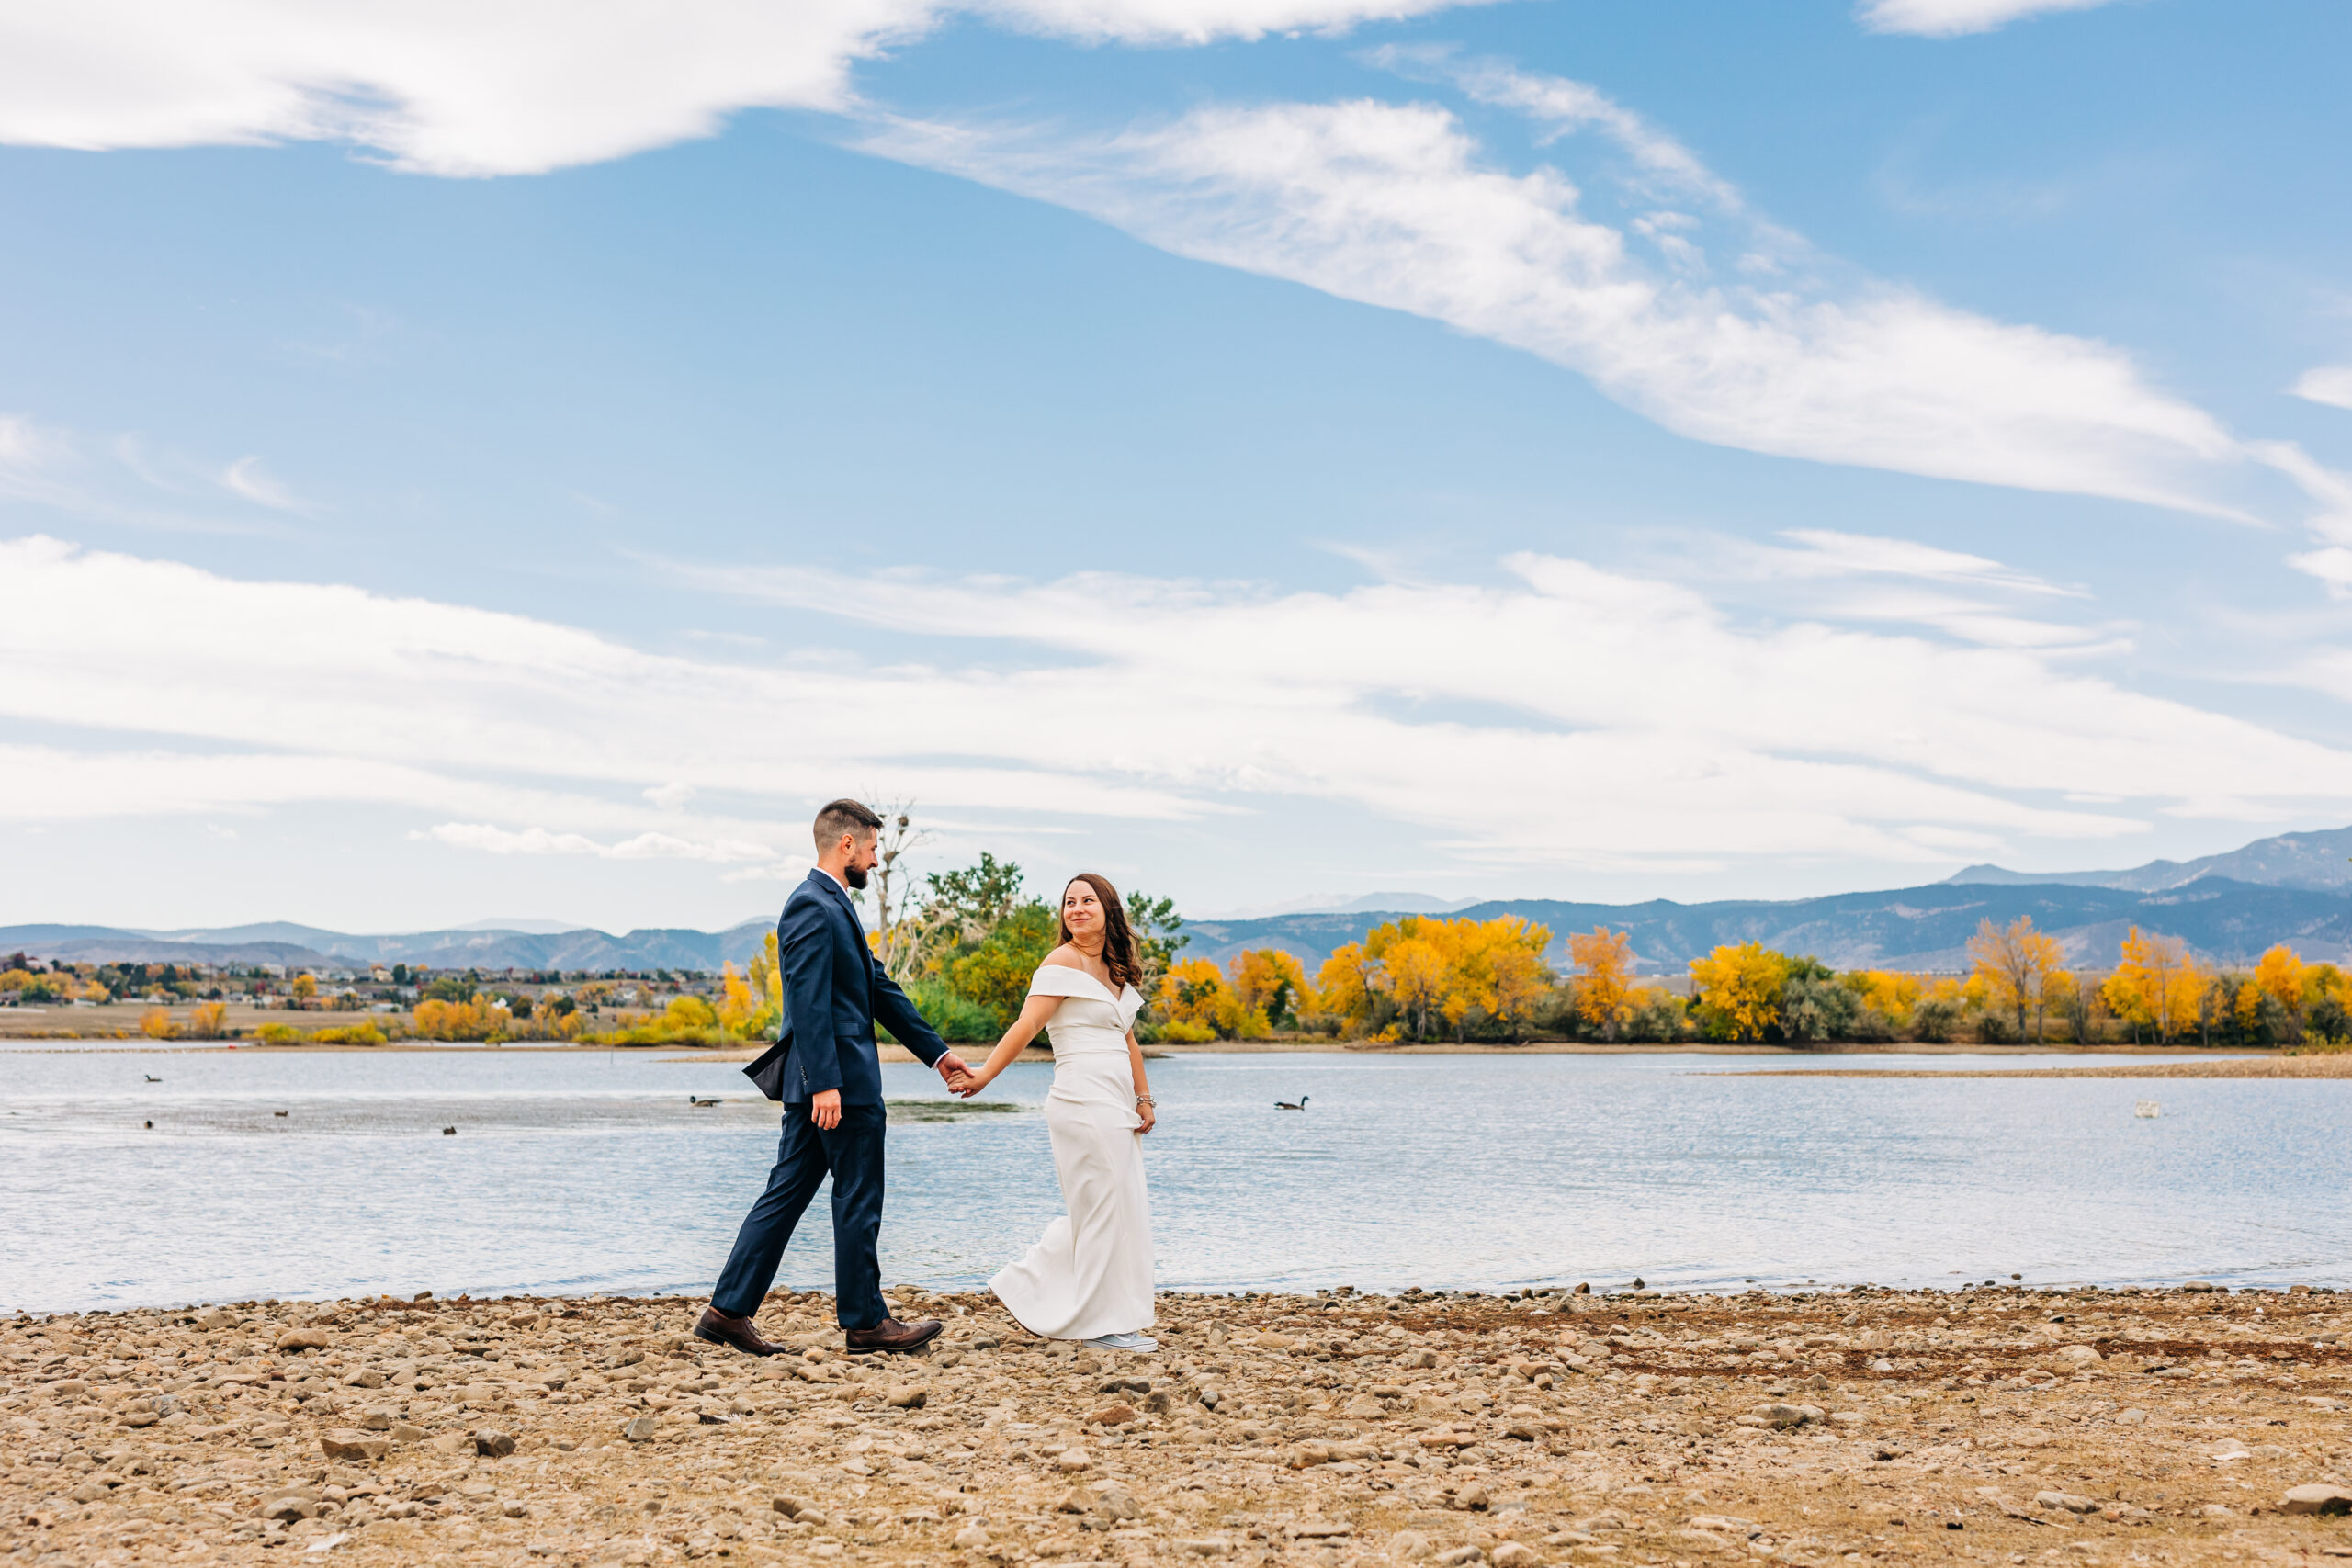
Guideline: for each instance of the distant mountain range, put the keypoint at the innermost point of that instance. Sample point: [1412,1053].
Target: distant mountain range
[310,947]
[1907,928]
[1341,903]
[2321,861]
[2295,888]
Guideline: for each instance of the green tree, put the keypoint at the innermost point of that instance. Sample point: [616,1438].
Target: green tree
[1814,1006]
[996,970]
[452,988]
[966,905]
[1158,938]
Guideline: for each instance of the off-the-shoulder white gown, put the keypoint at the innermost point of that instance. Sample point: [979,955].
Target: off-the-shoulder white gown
[1090,1273]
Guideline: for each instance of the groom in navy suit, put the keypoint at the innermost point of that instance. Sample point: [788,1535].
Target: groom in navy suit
[823,1066]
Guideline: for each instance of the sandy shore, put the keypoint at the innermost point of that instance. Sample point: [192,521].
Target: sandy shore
[1996,1426]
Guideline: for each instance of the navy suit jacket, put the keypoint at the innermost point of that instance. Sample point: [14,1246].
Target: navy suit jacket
[833,992]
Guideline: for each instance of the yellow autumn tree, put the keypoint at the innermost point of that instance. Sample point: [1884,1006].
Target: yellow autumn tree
[1271,985]
[767,975]
[305,988]
[1894,996]
[156,1024]
[208,1020]
[1519,979]
[1343,986]
[1196,1003]
[1738,989]
[738,1004]
[1604,965]
[2284,977]
[2155,984]
[1421,972]
[2016,963]
[2060,994]
[2327,999]
[477,1020]
[1416,975]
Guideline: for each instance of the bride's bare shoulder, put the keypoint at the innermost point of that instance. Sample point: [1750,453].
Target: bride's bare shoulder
[1065,957]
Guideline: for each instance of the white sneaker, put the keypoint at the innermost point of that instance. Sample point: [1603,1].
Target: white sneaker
[1123,1342]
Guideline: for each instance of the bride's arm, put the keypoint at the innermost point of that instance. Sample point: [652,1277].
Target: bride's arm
[1144,1107]
[1033,1014]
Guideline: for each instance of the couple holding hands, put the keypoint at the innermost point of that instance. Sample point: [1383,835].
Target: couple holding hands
[1090,1275]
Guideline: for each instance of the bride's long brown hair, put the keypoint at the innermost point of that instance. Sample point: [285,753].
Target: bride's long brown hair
[1119,954]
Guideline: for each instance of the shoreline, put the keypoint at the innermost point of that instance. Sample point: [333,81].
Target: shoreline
[1318,1046]
[1331,1429]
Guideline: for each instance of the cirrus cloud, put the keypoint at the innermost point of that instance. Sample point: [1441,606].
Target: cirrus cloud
[1671,296]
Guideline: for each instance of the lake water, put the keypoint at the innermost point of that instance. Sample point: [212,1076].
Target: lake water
[576,1172]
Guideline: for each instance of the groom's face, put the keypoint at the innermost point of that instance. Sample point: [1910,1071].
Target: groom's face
[863,856]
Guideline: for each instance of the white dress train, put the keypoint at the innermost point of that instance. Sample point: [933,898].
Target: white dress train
[1089,1274]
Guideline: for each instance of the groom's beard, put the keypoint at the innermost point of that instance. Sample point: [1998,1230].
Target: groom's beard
[854,876]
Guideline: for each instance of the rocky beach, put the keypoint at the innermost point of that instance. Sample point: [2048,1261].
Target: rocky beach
[1998,1424]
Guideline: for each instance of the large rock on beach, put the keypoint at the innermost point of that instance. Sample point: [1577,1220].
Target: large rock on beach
[361,1446]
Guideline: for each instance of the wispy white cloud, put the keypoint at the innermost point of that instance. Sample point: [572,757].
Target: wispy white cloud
[2329,384]
[1664,166]
[2331,492]
[1703,317]
[513,88]
[1630,692]
[247,479]
[1954,18]
[492,840]
[118,479]
[1826,552]
[1602,719]
[1826,574]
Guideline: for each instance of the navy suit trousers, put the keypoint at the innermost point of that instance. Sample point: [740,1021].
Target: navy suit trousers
[852,1155]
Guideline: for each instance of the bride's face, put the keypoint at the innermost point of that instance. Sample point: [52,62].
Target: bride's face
[1082,910]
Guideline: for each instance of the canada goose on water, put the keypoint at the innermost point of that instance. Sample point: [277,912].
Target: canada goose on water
[1286,1105]
[448,1132]
[705,1103]
[153,1078]
[281,1113]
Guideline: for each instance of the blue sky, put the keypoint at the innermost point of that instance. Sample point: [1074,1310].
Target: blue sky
[1256,448]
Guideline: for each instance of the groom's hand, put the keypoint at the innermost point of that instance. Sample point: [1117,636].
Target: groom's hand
[825,1108]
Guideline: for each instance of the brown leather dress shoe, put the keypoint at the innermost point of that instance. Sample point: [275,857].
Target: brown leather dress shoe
[891,1334]
[737,1332]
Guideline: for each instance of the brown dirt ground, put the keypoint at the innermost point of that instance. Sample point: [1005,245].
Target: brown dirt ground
[1988,1426]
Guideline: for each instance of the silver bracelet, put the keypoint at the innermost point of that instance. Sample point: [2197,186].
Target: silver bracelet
[1145,1099]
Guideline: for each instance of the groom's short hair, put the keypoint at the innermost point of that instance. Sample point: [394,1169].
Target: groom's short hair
[841,817]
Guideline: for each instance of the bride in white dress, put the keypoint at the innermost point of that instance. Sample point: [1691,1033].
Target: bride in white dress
[1090,1275]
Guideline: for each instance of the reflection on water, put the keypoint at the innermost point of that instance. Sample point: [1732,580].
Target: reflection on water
[579,1171]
